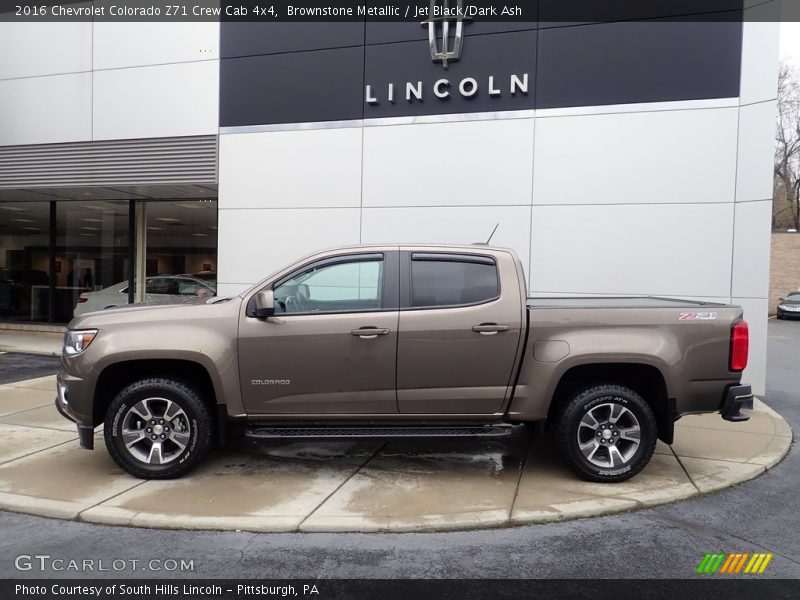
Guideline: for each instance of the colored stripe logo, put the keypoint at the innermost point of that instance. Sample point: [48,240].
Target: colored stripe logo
[734,563]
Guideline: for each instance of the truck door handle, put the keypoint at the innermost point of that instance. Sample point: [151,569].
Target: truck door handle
[489,328]
[369,333]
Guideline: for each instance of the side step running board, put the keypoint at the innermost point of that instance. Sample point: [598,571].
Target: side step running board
[272,433]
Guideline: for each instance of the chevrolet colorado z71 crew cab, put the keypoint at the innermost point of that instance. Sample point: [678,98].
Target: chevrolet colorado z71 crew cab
[401,341]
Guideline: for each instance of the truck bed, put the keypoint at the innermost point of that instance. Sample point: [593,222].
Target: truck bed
[617,302]
[687,341]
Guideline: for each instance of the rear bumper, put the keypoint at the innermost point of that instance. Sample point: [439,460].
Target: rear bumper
[737,397]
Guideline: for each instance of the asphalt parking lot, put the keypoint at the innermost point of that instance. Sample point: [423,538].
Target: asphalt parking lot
[18,367]
[664,542]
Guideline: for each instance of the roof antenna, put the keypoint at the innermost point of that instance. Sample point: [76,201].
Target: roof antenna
[491,235]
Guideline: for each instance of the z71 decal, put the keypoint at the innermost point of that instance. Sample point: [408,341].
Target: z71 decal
[697,316]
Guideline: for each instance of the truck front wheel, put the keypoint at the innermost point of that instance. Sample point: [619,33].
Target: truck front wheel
[157,428]
[606,433]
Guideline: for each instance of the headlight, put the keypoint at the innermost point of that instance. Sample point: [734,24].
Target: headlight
[782,307]
[76,341]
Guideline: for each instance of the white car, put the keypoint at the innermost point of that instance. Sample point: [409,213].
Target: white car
[162,289]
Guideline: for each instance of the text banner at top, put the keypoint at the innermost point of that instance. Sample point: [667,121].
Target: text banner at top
[545,12]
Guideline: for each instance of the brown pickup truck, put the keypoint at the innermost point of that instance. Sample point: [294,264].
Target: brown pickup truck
[401,341]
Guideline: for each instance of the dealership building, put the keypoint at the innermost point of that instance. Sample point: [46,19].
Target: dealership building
[624,158]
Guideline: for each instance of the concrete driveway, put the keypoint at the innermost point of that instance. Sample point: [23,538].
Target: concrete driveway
[359,485]
[662,542]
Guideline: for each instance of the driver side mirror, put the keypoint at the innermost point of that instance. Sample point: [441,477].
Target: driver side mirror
[265,304]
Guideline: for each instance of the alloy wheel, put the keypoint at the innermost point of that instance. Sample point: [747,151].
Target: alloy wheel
[155,431]
[609,435]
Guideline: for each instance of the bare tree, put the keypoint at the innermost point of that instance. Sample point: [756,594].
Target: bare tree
[786,195]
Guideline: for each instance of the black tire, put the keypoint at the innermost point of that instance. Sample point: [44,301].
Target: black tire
[779,316]
[571,433]
[194,421]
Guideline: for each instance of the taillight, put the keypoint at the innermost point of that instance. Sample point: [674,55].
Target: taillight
[82,299]
[740,345]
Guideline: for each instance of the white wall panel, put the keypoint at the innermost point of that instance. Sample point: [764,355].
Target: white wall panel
[637,107]
[253,243]
[449,164]
[756,151]
[755,313]
[449,225]
[230,289]
[43,110]
[656,157]
[670,250]
[119,44]
[293,169]
[33,49]
[162,101]
[751,248]
[760,46]
[717,299]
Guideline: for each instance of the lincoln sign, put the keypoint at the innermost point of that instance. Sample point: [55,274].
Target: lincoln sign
[445,42]
[468,87]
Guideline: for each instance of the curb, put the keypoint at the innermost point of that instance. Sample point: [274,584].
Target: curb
[27,351]
[491,519]
[701,476]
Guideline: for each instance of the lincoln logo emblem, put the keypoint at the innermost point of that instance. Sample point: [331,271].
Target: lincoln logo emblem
[442,14]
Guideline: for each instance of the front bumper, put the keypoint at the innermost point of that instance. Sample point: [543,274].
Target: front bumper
[85,432]
[737,397]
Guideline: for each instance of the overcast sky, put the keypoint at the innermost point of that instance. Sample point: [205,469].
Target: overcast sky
[790,42]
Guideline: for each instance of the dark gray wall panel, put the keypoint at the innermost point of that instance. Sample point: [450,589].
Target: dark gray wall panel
[620,63]
[609,63]
[248,39]
[554,13]
[499,55]
[381,32]
[322,85]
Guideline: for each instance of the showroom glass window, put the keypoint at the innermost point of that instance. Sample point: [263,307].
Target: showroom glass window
[91,255]
[340,287]
[24,260]
[181,250]
[61,258]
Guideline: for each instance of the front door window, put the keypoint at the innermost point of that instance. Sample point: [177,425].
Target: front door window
[339,287]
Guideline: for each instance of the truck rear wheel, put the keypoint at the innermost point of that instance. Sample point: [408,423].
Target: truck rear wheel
[157,428]
[606,433]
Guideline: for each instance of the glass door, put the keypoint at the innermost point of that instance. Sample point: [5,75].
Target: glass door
[25,261]
[91,257]
[180,242]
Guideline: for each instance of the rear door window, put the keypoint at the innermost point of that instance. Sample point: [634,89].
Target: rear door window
[452,280]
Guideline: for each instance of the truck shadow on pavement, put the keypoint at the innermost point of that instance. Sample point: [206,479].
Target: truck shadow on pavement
[359,485]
